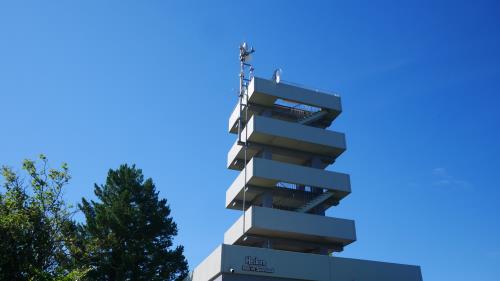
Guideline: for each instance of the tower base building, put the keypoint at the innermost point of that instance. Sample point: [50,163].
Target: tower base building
[242,263]
[283,190]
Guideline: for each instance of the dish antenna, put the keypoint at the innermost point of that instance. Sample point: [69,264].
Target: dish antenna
[277,75]
[246,52]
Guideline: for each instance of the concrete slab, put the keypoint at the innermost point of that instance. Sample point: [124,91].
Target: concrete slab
[267,222]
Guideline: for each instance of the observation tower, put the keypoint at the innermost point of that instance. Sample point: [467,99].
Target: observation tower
[282,149]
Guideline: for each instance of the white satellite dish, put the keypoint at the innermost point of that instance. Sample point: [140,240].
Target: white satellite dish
[277,75]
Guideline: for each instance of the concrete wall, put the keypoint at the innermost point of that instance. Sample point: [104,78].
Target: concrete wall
[295,136]
[344,269]
[265,92]
[276,223]
[210,267]
[266,173]
[282,263]
[268,264]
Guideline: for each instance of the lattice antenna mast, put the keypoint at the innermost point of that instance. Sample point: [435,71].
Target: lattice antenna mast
[246,75]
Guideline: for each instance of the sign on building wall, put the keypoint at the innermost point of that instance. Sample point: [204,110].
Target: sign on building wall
[255,264]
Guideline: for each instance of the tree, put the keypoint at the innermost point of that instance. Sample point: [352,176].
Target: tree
[37,233]
[129,232]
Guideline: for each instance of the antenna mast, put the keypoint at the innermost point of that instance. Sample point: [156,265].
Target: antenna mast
[246,75]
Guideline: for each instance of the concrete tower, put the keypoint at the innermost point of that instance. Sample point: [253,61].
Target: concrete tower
[281,152]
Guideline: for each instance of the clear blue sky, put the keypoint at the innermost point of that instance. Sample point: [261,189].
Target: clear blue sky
[100,83]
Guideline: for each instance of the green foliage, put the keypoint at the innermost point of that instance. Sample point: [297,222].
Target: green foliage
[36,230]
[74,275]
[129,232]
